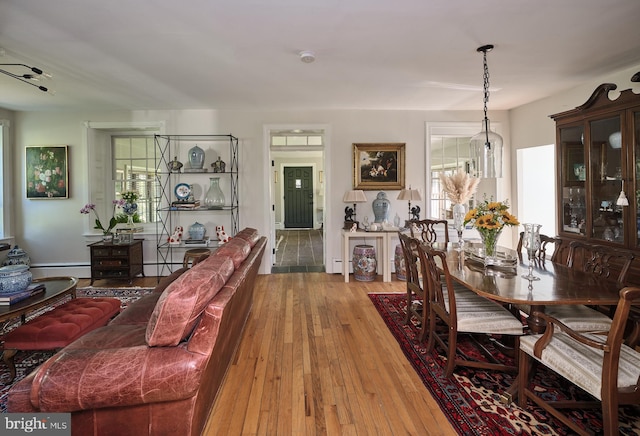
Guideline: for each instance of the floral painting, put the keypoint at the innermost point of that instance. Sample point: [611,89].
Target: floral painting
[378,166]
[47,172]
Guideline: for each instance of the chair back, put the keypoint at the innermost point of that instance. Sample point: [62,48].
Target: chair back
[601,260]
[410,253]
[546,244]
[438,283]
[428,230]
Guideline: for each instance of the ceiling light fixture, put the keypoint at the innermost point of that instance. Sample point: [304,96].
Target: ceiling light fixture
[35,75]
[486,146]
[307,56]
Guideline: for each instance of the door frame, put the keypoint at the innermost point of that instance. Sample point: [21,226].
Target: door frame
[270,194]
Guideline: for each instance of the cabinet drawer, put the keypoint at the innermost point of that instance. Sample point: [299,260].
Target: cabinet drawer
[110,262]
[110,273]
[104,252]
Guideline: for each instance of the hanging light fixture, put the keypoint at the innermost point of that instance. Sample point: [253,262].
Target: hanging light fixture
[486,146]
[33,77]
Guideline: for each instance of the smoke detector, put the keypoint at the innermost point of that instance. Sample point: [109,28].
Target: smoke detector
[307,56]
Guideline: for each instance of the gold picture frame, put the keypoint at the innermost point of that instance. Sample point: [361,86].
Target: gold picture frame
[378,166]
[47,172]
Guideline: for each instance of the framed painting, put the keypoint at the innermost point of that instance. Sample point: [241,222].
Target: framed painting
[47,172]
[378,166]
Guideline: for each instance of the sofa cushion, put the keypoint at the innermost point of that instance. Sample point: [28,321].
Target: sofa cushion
[140,310]
[248,234]
[237,249]
[180,305]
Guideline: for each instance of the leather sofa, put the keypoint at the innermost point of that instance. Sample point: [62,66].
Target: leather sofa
[157,367]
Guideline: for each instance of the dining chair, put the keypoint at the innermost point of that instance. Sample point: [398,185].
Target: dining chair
[602,261]
[546,243]
[428,230]
[417,304]
[600,364]
[464,312]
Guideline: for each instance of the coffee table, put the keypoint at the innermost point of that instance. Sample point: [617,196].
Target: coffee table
[55,289]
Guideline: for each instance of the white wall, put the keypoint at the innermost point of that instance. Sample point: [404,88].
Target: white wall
[51,231]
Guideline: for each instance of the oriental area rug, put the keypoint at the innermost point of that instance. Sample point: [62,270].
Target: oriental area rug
[471,397]
[27,361]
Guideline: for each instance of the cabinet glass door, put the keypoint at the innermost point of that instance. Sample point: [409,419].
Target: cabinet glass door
[573,175]
[606,174]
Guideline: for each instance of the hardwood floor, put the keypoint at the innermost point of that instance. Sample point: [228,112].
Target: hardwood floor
[317,359]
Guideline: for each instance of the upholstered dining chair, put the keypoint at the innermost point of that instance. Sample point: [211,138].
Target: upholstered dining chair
[428,230]
[416,296]
[463,311]
[600,364]
[603,261]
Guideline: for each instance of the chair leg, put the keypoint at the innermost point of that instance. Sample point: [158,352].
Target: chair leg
[451,352]
[409,302]
[610,414]
[523,378]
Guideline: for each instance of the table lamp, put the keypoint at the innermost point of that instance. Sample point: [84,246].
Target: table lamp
[354,196]
[409,194]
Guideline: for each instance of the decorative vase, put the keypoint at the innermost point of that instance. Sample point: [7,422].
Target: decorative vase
[531,242]
[381,207]
[17,256]
[197,231]
[130,210]
[196,158]
[175,165]
[490,243]
[459,212]
[14,279]
[107,238]
[215,197]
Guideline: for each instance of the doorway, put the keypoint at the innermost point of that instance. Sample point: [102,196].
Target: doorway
[297,198]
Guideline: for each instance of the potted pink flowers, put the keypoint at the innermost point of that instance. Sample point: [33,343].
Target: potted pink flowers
[106,231]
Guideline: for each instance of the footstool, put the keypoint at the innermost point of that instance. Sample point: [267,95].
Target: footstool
[59,327]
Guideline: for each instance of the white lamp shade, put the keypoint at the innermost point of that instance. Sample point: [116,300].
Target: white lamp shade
[409,195]
[355,196]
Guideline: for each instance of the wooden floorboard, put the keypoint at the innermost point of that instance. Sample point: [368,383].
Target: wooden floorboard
[317,359]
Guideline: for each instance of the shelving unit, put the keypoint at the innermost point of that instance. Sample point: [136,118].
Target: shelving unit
[171,147]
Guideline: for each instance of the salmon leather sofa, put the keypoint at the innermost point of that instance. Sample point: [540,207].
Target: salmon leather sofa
[157,367]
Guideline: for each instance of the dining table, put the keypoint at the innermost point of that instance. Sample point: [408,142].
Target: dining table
[554,284]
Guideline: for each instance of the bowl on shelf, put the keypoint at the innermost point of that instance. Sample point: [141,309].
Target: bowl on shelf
[14,279]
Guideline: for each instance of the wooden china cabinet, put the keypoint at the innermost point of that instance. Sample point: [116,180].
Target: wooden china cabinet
[598,155]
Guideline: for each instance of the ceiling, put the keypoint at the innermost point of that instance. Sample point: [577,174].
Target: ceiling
[370,54]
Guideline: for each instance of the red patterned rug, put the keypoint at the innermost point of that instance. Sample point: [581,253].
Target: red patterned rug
[27,361]
[471,397]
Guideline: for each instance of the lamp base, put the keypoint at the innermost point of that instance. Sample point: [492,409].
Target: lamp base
[349,224]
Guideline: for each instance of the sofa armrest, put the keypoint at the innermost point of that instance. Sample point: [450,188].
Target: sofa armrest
[79,379]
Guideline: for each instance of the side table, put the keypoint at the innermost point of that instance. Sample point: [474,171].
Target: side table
[382,249]
[116,261]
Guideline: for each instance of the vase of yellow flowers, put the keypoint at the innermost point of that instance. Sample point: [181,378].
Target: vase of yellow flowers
[490,218]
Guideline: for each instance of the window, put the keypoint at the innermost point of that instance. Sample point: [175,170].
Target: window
[296,138]
[134,166]
[448,154]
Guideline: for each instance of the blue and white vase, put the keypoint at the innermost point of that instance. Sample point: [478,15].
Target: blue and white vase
[130,210]
[196,158]
[381,207]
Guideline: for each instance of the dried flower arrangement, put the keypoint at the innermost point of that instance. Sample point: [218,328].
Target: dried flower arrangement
[459,186]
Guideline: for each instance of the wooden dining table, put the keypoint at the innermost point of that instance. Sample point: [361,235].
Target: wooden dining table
[556,285]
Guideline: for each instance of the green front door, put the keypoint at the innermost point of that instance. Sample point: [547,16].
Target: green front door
[298,197]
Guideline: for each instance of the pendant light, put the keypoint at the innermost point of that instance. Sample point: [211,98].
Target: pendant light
[486,146]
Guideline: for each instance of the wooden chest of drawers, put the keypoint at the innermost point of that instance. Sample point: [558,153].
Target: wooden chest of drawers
[116,261]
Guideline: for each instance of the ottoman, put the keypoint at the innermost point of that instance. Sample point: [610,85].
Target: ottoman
[59,327]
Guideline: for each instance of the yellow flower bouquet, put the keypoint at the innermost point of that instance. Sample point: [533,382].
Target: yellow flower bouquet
[489,218]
